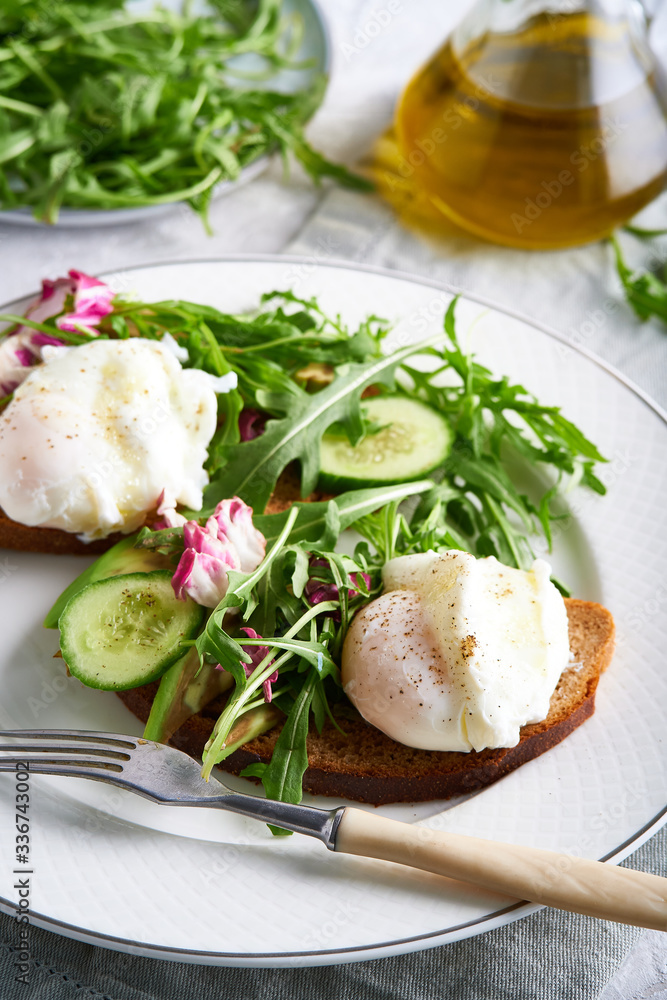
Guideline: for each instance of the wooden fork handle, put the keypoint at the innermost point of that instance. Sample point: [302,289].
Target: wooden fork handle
[560,880]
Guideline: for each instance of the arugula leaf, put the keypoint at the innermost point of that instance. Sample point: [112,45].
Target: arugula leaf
[477,505]
[644,234]
[283,777]
[351,506]
[253,468]
[312,652]
[645,292]
[106,106]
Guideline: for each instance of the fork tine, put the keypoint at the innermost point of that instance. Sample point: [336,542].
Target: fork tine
[40,761]
[39,751]
[158,772]
[74,735]
[71,771]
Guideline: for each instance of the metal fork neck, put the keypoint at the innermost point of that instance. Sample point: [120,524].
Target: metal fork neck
[319,823]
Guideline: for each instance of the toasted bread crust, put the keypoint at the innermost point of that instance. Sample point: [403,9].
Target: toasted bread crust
[23,538]
[367,766]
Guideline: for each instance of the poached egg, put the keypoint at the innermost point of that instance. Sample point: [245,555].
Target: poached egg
[458,653]
[96,432]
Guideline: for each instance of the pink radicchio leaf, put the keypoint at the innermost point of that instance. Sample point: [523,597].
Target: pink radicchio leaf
[251,424]
[92,302]
[19,354]
[183,573]
[201,540]
[17,359]
[167,513]
[22,348]
[201,577]
[232,520]
[317,591]
[257,654]
[40,340]
[202,571]
[50,302]
[25,357]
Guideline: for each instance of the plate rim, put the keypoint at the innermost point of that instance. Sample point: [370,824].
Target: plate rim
[411,277]
[335,956]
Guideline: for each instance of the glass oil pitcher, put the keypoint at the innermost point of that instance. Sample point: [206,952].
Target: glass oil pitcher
[539,123]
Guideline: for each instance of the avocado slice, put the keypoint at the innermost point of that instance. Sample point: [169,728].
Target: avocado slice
[120,559]
[186,688]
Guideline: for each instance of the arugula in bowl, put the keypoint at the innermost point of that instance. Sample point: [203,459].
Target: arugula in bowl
[112,105]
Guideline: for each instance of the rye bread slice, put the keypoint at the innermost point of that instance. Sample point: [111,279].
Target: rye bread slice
[367,766]
[23,538]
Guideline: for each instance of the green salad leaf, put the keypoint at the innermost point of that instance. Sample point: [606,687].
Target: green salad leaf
[103,106]
[349,508]
[645,291]
[252,469]
[477,504]
[283,776]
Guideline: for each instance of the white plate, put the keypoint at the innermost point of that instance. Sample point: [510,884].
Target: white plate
[315,47]
[207,887]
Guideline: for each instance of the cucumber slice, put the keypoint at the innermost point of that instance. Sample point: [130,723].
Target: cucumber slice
[414,440]
[126,631]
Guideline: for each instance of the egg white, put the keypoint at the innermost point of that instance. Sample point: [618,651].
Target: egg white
[458,653]
[95,434]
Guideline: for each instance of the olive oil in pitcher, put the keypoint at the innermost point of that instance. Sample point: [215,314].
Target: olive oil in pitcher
[546,132]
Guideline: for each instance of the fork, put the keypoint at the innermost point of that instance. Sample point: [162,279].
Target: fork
[170,777]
